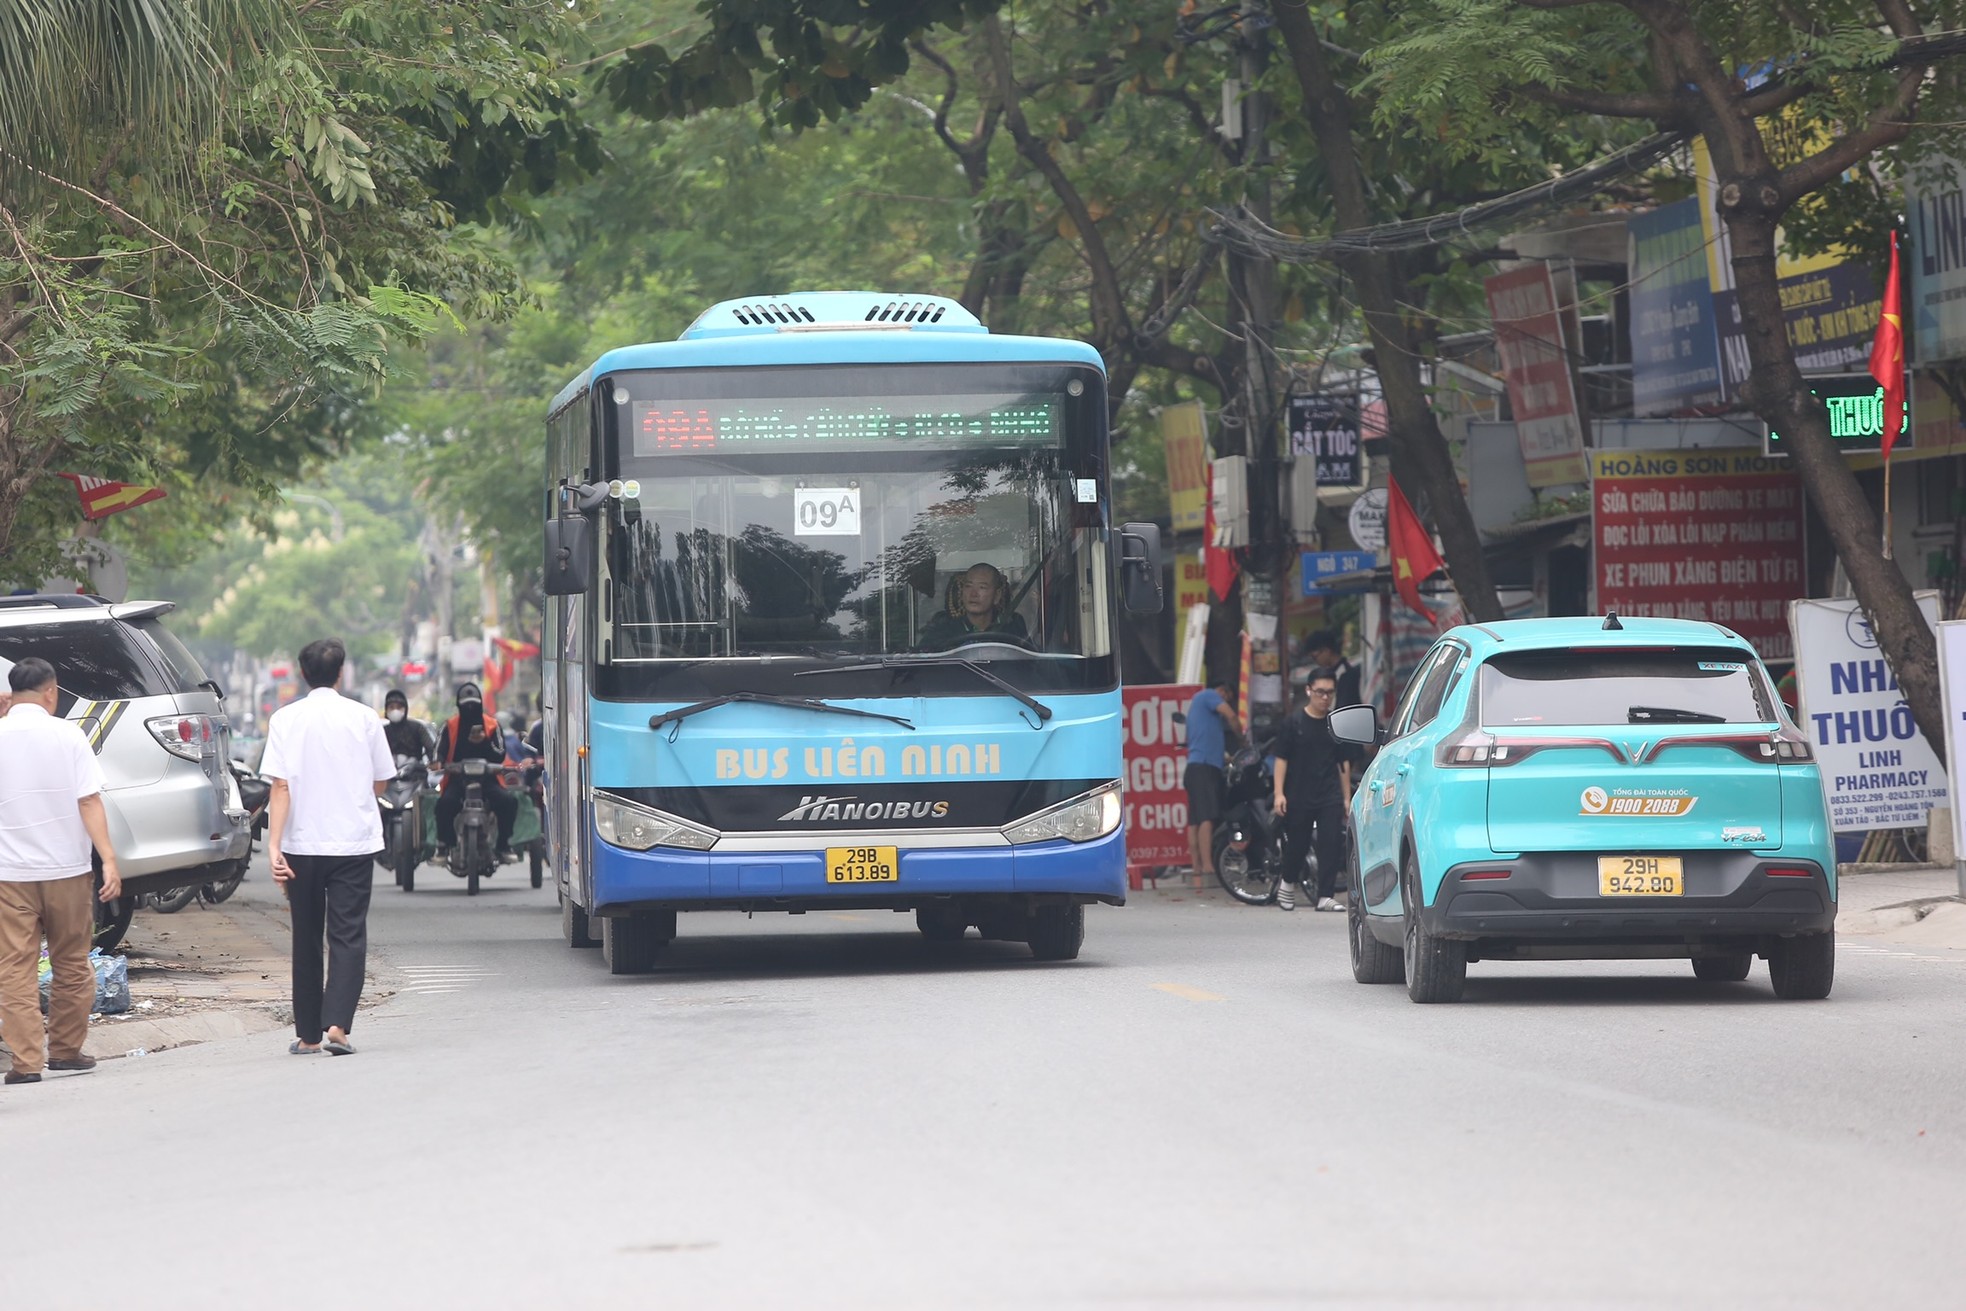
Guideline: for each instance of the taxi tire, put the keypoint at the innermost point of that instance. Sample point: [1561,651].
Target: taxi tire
[1372,960]
[1057,932]
[1436,968]
[1803,968]
[1731,968]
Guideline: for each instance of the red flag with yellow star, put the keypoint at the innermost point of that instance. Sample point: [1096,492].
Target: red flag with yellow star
[102,498]
[1887,355]
[1412,547]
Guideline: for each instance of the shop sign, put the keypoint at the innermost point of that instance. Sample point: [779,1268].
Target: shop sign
[1856,415]
[1185,435]
[1878,770]
[1155,751]
[1536,367]
[1324,427]
[1675,355]
[1935,200]
[1699,534]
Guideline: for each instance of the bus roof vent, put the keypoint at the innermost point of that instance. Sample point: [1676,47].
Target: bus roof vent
[832,311]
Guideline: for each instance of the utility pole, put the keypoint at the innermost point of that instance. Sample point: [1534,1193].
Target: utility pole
[1255,398]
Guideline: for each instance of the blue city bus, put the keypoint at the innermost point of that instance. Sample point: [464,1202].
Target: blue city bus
[833,598]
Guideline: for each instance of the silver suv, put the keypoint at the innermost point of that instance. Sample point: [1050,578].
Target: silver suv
[159,727]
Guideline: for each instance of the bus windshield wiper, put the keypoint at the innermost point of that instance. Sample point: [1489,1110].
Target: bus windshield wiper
[765,698]
[1036,707]
[1670,715]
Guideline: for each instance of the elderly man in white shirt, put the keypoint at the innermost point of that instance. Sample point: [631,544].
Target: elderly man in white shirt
[328,760]
[51,813]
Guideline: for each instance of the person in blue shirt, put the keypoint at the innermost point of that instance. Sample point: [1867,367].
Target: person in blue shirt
[1210,720]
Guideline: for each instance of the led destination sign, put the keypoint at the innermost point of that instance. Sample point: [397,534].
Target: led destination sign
[840,423]
[1856,414]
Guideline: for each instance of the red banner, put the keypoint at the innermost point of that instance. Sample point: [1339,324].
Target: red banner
[1536,366]
[1700,534]
[1156,753]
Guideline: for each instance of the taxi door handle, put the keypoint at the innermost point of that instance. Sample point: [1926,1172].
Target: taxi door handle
[1375,785]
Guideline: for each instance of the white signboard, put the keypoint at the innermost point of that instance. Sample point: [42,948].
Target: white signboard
[1367,520]
[1878,772]
[826,511]
[1952,679]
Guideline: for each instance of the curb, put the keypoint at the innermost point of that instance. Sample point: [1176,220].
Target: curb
[142,1037]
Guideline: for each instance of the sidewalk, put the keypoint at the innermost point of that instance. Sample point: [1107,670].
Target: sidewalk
[1916,905]
[205,973]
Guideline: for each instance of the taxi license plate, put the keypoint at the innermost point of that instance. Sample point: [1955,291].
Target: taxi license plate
[1639,876]
[862,865]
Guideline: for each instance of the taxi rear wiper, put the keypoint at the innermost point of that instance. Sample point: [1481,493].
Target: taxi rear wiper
[766,698]
[1035,706]
[1670,715]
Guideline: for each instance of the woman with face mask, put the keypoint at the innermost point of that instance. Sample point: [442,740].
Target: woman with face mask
[406,736]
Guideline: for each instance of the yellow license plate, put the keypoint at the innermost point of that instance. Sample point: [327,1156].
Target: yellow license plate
[862,865]
[1639,876]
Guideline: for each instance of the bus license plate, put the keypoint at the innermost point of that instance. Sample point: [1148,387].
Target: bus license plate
[1639,876]
[862,865]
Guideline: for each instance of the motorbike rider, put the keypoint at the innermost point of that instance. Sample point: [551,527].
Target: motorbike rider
[406,736]
[471,734]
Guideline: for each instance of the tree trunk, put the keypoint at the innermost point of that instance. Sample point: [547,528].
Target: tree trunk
[1421,461]
[1782,398]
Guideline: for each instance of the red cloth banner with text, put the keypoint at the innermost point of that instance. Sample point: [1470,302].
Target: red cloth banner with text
[1536,366]
[1155,749]
[1700,534]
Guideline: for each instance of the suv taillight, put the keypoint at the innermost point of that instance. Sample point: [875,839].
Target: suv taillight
[185,736]
[1469,751]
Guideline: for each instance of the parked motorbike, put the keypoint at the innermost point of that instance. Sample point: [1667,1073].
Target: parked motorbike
[255,793]
[1248,845]
[406,804]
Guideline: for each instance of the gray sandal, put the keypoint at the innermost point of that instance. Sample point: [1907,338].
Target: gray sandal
[337,1047]
[296,1049]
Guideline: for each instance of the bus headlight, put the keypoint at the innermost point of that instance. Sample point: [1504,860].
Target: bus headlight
[637,828]
[1081,819]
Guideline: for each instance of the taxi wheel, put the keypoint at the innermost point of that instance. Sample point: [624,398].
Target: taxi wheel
[1372,960]
[1803,968]
[1731,968]
[1057,932]
[1436,968]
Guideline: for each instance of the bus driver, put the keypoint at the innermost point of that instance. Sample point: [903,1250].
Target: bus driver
[979,602]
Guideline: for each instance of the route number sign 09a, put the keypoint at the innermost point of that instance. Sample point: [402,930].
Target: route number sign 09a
[826,511]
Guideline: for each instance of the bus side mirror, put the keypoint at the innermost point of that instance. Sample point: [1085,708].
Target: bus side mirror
[569,555]
[1140,567]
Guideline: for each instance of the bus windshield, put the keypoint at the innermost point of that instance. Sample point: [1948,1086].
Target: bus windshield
[871,516]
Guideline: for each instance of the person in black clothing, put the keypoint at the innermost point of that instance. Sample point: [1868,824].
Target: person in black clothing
[1313,792]
[406,736]
[471,734]
[979,602]
[1322,648]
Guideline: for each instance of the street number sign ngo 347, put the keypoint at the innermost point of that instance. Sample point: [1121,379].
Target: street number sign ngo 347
[826,511]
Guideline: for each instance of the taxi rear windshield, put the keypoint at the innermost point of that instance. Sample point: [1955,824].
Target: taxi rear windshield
[1598,687]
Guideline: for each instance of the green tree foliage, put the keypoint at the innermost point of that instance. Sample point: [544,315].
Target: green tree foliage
[216,296]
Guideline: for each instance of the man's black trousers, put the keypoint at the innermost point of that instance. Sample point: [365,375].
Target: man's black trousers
[330,900]
[502,804]
[1315,826]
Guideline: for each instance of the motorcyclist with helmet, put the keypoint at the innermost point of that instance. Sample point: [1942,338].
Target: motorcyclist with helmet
[471,734]
[407,737]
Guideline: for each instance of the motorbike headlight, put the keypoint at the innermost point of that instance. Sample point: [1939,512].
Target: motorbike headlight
[1081,819]
[637,828]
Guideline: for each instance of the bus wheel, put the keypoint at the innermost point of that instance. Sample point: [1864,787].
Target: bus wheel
[1057,932]
[629,942]
[941,923]
[575,927]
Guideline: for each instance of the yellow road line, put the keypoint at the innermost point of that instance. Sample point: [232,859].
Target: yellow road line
[1191,994]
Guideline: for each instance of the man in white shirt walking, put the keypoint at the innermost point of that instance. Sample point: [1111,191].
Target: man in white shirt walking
[50,814]
[328,760]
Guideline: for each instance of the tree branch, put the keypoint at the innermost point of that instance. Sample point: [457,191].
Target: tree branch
[1887,124]
[1665,110]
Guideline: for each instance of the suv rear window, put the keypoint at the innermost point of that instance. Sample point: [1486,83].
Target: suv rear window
[1693,686]
[178,661]
[95,661]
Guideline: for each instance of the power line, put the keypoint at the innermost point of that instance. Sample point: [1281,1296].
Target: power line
[1243,232]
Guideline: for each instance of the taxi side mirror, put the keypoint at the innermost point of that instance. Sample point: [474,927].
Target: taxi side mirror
[1358,725]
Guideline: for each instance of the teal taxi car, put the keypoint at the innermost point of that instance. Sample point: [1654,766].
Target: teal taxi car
[1596,788]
